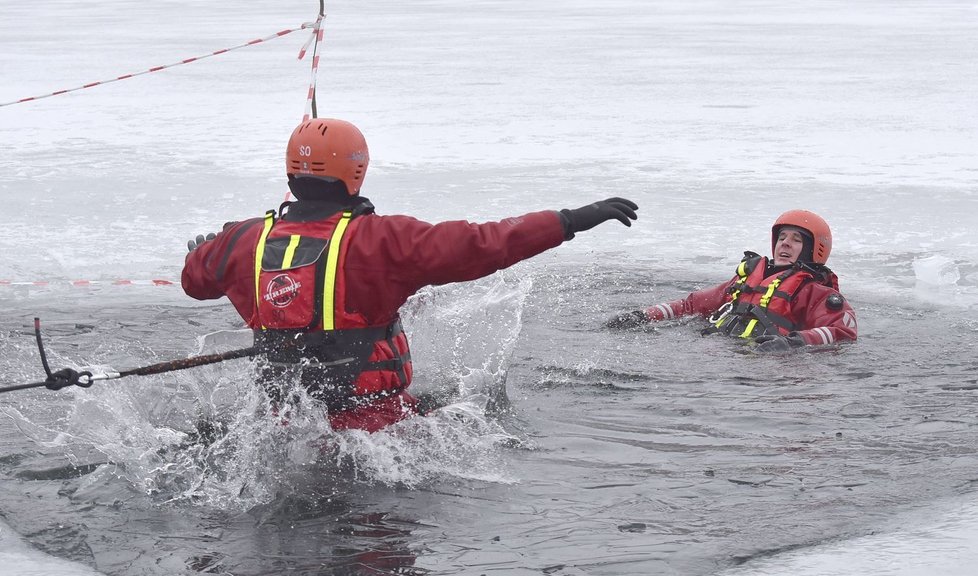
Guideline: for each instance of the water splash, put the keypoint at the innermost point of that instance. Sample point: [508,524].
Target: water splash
[208,437]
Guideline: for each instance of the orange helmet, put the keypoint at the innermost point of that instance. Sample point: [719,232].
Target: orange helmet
[330,148]
[821,236]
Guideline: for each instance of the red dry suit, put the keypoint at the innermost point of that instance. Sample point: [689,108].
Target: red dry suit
[802,298]
[332,294]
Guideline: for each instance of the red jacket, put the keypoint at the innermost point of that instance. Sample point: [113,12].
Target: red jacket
[811,310]
[388,260]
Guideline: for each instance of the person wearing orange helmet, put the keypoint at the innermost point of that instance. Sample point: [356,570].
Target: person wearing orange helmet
[321,283]
[784,302]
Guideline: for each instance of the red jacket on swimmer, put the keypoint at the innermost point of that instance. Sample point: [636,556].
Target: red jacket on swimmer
[787,301]
[321,282]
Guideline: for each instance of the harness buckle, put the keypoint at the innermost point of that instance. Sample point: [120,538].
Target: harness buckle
[721,313]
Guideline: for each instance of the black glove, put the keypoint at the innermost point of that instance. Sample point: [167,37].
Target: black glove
[67,377]
[628,320]
[200,239]
[771,344]
[589,216]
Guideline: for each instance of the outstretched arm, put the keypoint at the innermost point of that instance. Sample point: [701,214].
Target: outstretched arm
[701,303]
[400,254]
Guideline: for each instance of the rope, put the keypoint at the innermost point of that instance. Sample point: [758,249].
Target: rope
[165,66]
[86,379]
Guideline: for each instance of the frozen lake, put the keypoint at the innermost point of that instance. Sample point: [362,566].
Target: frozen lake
[598,452]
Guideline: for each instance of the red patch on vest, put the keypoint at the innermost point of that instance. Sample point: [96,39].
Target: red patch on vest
[281,290]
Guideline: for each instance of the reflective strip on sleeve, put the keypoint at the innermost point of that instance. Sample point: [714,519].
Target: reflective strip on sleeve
[666,310]
[825,334]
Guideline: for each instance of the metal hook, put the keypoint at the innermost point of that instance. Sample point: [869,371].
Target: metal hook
[721,313]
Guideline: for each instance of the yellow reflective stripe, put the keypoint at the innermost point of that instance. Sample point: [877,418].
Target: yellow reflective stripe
[260,253]
[750,328]
[742,272]
[290,251]
[766,299]
[332,263]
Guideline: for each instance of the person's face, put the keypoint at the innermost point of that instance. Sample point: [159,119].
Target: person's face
[789,246]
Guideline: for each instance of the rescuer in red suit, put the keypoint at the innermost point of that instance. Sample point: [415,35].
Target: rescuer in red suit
[321,283]
[784,302]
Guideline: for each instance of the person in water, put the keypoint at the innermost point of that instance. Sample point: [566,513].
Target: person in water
[784,302]
[321,283]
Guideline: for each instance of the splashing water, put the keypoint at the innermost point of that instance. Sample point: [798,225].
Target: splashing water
[208,437]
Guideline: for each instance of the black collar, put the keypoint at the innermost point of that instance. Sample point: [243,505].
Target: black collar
[310,210]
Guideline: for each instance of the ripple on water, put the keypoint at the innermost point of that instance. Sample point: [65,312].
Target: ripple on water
[939,426]
[861,410]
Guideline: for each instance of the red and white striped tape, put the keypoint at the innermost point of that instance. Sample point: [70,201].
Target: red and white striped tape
[316,38]
[165,66]
[44,283]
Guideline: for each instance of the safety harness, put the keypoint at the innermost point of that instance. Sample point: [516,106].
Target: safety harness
[304,330]
[756,308]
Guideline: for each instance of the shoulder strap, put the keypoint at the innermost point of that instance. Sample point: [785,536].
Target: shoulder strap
[260,251]
[821,274]
[332,265]
[749,262]
[744,270]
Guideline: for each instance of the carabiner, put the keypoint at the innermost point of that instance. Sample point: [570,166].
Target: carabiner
[721,313]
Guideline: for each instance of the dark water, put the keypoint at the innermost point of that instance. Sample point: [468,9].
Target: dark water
[568,449]
[573,450]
